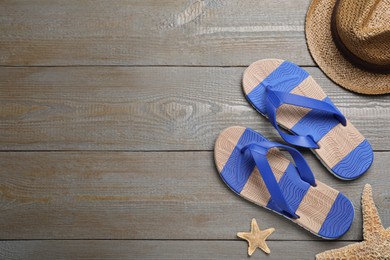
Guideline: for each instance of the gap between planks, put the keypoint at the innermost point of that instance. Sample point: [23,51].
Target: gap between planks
[87,195]
[107,249]
[134,109]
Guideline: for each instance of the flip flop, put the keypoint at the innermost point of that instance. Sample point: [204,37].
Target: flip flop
[289,97]
[256,169]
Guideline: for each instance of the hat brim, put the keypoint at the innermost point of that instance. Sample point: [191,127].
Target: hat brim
[331,61]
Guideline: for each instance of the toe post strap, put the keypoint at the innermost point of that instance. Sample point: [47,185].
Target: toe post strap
[275,99]
[258,152]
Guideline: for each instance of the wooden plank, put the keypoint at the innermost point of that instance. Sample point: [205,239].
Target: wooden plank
[135,249]
[147,108]
[147,195]
[151,32]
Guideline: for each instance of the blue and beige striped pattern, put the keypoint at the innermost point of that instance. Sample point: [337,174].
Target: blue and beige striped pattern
[342,149]
[322,210]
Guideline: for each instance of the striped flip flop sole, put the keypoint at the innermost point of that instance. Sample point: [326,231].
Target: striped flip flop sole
[343,150]
[322,210]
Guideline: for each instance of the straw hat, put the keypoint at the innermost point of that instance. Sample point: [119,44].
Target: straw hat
[350,41]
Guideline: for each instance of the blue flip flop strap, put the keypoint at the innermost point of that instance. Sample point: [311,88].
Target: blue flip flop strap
[259,152]
[277,98]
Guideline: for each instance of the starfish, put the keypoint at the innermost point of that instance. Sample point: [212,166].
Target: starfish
[376,243]
[256,238]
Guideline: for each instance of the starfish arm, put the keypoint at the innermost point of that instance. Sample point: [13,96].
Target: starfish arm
[244,235]
[250,239]
[241,235]
[254,226]
[345,252]
[251,249]
[371,221]
[268,232]
[263,246]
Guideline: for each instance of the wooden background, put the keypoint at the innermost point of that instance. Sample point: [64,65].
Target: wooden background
[108,115]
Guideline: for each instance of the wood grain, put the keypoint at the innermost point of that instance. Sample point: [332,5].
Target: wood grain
[151,32]
[109,249]
[148,108]
[78,75]
[148,195]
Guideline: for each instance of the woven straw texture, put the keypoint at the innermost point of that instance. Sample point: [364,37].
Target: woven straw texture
[363,27]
